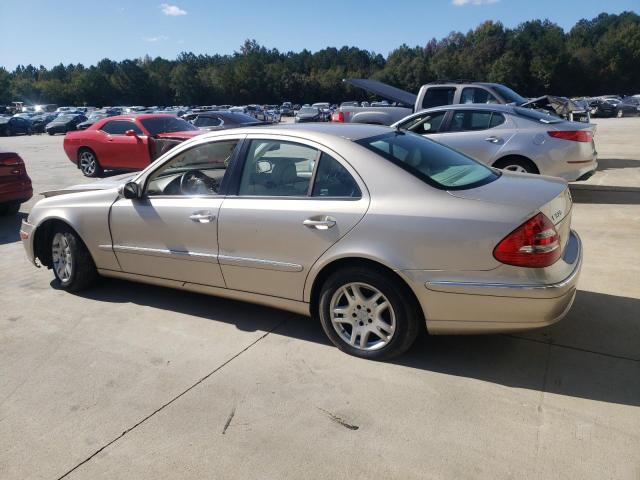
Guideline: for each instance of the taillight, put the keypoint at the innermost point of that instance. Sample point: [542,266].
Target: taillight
[573,135]
[337,117]
[534,244]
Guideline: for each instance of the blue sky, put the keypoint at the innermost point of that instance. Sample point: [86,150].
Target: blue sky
[71,31]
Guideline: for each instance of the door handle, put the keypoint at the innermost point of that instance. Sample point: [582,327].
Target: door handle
[202,217]
[320,223]
[492,139]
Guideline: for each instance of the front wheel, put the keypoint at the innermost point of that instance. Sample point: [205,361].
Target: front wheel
[367,314]
[72,264]
[88,163]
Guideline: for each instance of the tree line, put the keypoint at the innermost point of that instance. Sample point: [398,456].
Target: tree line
[597,56]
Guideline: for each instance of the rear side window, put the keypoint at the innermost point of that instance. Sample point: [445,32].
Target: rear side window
[477,95]
[431,162]
[470,120]
[206,121]
[436,97]
[119,127]
[333,180]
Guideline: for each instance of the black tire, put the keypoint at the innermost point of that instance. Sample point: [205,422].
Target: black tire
[9,208]
[508,162]
[51,133]
[9,132]
[83,270]
[408,317]
[86,171]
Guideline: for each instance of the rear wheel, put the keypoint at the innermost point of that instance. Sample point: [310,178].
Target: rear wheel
[88,163]
[71,262]
[9,208]
[367,314]
[516,164]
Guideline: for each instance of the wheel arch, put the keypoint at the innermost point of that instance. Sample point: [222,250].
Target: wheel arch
[312,292]
[43,236]
[515,156]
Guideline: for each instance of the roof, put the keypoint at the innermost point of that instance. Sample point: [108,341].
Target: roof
[140,116]
[493,107]
[348,131]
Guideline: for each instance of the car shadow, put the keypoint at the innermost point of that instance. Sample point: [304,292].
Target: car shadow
[591,354]
[603,194]
[10,227]
[616,163]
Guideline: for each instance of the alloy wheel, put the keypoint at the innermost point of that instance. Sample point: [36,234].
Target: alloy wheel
[87,163]
[61,257]
[362,316]
[516,168]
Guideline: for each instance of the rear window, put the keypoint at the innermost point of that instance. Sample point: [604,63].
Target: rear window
[166,125]
[436,97]
[536,115]
[433,163]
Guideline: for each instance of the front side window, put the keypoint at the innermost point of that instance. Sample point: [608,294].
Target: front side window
[477,95]
[431,162]
[277,168]
[436,97]
[120,127]
[425,124]
[196,171]
[166,124]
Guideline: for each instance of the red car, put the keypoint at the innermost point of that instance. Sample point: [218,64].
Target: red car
[125,142]
[15,184]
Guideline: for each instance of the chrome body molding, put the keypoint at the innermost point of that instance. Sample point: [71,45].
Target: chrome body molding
[257,263]
[162,252]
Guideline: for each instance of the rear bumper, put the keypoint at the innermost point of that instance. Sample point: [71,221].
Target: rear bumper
[27,232]
[471,307]
[18,191]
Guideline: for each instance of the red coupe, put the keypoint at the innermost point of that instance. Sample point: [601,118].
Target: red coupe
[15,184]
[125,142]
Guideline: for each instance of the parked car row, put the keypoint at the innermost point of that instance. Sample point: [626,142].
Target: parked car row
[613,106]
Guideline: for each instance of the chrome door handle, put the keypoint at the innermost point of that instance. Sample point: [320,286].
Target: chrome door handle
[492,139]
[202,217]
[320,223]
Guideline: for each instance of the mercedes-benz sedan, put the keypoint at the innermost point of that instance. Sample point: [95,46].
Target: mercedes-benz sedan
[374,231]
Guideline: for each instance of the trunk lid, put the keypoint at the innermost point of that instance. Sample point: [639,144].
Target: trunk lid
[548,195]
[383,90]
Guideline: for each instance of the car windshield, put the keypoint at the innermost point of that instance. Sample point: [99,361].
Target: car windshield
[167,124]
[537,115]
[509,95]
[308,110]
[431,162]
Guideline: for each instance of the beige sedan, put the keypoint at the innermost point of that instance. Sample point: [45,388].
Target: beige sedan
[374,231]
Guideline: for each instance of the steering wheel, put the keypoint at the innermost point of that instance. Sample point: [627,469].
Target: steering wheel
[194,182]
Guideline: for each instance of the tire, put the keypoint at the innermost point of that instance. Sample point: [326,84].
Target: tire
[88,163]
[9,132]
[9,208]
[401,317]
[516,164]
[71,262]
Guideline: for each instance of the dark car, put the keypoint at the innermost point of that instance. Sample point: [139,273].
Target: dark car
[40,121]
[65,123]
[15,126]
[15,184]
[224,120]
[93,118]
[308,114]
[602,108]
[629,107]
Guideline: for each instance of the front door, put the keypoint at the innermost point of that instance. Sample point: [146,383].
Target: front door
[294,200]
[121,150]
[171,231]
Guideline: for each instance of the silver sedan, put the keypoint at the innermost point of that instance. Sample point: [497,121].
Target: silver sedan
[511,138]
[374,231]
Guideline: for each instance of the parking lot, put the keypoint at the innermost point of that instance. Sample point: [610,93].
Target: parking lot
[130,381]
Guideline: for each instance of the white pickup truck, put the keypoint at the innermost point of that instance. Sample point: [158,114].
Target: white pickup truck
[438,94]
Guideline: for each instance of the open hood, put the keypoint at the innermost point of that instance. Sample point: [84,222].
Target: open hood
[559,105]
[383,90]
[103,184]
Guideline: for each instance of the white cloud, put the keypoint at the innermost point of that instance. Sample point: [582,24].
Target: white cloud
[172,10]
[159,38]
[462,3]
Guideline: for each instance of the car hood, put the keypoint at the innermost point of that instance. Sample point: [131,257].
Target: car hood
[102,184]
[183,135]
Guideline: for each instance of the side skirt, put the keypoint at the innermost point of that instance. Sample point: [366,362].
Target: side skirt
[301,308]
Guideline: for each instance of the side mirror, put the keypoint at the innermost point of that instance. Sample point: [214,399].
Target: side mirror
[131,133]
[130,190]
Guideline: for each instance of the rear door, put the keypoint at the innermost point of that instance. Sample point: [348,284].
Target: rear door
[120,150]
[293,200]
[480,134]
